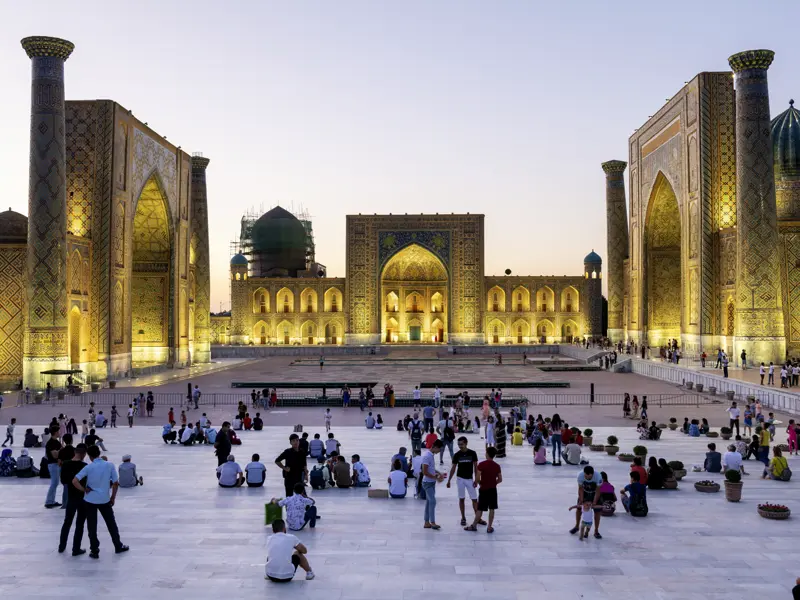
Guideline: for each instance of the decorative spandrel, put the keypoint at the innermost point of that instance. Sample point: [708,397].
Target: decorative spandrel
[390,242]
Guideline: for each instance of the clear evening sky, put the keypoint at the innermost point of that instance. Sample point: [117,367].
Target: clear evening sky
[502,108]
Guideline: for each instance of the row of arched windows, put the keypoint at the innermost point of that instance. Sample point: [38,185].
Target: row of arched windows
[285,301]
[544,300]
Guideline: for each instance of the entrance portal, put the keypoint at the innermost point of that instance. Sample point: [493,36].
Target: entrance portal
[415,333]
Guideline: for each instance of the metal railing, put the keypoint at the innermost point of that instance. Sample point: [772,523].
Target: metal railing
[653,400]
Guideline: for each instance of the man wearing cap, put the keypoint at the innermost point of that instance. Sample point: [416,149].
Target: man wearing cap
[127,473]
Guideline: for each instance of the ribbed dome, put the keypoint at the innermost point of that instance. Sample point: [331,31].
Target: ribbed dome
[279,244]
[786,142]
[13,227]
[593,258]
[239,259]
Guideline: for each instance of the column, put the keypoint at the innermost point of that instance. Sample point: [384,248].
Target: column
[759,327]
[46,343]
[202,272]
[617,245]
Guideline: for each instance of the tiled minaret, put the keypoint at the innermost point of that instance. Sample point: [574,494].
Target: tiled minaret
[202,274]
[759,327]
[46,344]
[617,240]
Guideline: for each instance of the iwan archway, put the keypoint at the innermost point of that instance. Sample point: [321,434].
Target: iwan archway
[415,297]
[662,265]
[151,278]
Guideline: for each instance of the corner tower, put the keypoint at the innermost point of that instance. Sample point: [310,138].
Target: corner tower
[617,245]
[199,248]
[46,329]
[592,292]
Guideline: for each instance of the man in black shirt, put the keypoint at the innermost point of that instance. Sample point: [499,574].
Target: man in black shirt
[464,466]
[258,422]
[304,444]
[223,444]
[51,450]
[69,469]
[293,464]
[66,453]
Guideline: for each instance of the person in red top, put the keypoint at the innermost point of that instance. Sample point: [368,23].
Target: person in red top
[171,416]
[488,476]
[579,439]
[247,422]
[639,468]
[566,435]
[429,439]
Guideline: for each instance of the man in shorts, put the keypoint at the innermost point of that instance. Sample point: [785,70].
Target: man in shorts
[464,468]
[284,554]
[588,485]
[489,476]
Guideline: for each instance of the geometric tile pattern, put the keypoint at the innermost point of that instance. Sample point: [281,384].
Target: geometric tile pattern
[12,306]
[150,157]
[201,260]
[617,239]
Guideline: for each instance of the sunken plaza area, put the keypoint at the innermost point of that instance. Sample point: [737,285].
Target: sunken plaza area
[191,539]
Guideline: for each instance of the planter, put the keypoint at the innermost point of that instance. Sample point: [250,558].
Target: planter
[712,390]
[699,387]
[626,457]
[38,397]
[611,450]
[112,384]
[679,473]
[713,434]
[95,387]
[783,447]
[707,489]
[751,398]
[60,395]
[777,516]
[730,394]
[673,426]
[662,425]
[587,441]
[725,436]
[733,491]
[597,447]
[689,385]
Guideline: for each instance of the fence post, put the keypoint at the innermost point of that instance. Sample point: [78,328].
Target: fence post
[555,400]
[591,395]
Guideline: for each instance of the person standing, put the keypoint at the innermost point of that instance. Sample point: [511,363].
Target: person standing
[555,434]
[771,374]
[75,506]
[588,485]
[10,432]
[464,466]
[321,362]
[725,365]
[293,464]
[101,476]
[733,412]
[196,393]
[430,477]
[489,476]
[51,450]
[66,453]
[743,356]
[415,433]
[446,430]
[762,370]
[427,416]
[223,444]
[131,412]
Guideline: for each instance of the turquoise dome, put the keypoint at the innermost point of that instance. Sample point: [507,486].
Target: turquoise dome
[593,258]
[239,259]
[786,142]
[279,244]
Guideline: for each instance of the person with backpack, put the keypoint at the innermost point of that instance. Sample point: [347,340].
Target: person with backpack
[415,428]
[446,431]
[634,497]
[778,467]
[320,477]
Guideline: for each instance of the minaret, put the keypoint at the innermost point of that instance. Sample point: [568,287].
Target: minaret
[617,245]
[593,295]
[759,328]
[46,344]
[202,274]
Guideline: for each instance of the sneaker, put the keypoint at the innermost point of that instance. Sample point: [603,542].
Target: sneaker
[61,549]
[53,505]
[94,555]
[122,549]
[310,575]
[78,552]
[574,530]
[597,535]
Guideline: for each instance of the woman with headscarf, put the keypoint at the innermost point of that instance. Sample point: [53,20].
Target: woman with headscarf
[25,466]
[8,465]
[500,435]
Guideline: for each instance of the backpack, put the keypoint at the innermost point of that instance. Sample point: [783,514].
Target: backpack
[316,479]
[298,429]
[638,506]
[416,430]
[448,434]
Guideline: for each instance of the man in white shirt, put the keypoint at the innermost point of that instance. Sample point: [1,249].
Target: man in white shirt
[230,473]
[360,472]
[256,472]
[732,460]
[437,396]
[370,421]
[417,397]
[331,445]
[187,437]
[733,412]
[572,454]
[416,463]
[284,554]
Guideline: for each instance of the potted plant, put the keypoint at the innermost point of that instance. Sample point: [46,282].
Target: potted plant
[730,394]
[587,437]
[662,425]
[673,423]
[112,384]
[641,452]
[725,433]
[712,389]
[625,457]
[712,434]
[706,486]
[597,447]
[612,448]
[95,387]
[689,385]
[699,387]
[733,485]
[774,511]
[677,469]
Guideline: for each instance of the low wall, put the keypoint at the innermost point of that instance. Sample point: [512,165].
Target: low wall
[265,351]
[536,349]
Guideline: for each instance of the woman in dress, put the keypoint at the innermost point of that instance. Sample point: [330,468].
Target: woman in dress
[485,409]
[626,406]
[489,435]
[500,435]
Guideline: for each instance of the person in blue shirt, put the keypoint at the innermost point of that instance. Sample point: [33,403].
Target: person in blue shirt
[100,492]
[634,497]
[427,416]
[168,434]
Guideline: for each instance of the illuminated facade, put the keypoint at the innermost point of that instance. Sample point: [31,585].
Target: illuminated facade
[708,255]
[115,250]
[414,279]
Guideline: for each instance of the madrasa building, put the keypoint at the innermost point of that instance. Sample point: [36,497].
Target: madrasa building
[709,254]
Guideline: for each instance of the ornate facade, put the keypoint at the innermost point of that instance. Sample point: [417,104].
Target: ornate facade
[116,245]
[711,259]
[410,279]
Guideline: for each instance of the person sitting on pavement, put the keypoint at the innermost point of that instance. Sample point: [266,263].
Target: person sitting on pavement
[655,475]
[25,466]
[516,437]
[654,433]
[199,434]
[187,436]
[8,465]
[168,433]
[332,445]
[237,423]
[316,448]
[31,439]
[94,440]
[255,472]
[300,509]
[230,473]
[732,460]
[713,462]
[247,422]
[634,497]
[341,473]
[398,480]
[284,554]
[401,456]
[258,422]
[127,473]
[539,452]
[100,420]
[778,467]
[572,454]
[370,421]
[360,472]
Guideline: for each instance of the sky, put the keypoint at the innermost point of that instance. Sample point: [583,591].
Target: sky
[503,108]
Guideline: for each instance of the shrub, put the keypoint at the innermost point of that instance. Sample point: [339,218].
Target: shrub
[675,465]
[706,483]
[673,420]
[640,450]
[574,430]
[725,430]
[588,432]
[732,476]
[612,440]
[773,507]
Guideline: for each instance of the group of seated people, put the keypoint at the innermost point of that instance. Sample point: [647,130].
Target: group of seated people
[571,453]
[648,433]
[243,422]
[695,427]
[230,474]
[336,472]
[373,422]
[657,476]
[22,466]
[777,468]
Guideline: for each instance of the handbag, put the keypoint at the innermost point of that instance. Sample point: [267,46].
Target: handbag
[272,512]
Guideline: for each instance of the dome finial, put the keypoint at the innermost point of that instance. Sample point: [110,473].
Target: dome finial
[791,102]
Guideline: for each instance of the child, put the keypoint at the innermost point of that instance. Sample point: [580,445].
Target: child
[748,420]
[183,418]
[131,412]
[328,417]
[516,437]
[114,414]
[489,433]
[84,430]
[379,422]
[771,426]
[248,422]
[13,423]
[171,416]
[488,476]
[91,414]
[587,518]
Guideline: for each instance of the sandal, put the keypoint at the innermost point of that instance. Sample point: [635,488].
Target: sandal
[463,522]
[481,522]
[471,528]
[490,530]
[435,527]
